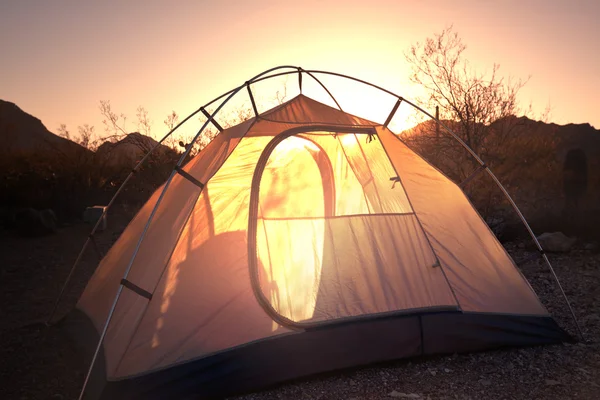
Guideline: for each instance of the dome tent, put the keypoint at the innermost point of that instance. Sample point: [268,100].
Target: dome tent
[299,241]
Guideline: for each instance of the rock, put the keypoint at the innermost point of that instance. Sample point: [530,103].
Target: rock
[91,215]
[590,246]
[556,242]
[399,395]
[49,220]
[30,222]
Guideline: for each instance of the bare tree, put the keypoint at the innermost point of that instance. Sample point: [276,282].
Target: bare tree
[144,122]
[87,137]
[281,95]
[114,124]
[171,120]
[483,110]
[64,132]
[480,107]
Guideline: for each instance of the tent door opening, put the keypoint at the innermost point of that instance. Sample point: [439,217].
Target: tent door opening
[331,238]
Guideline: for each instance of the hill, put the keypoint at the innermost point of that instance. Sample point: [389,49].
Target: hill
[552,171]
[23,134]
[41,170]
[130,149]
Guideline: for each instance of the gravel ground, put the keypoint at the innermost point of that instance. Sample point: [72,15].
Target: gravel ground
[38,362]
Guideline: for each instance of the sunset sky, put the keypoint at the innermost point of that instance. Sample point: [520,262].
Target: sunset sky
[60,58]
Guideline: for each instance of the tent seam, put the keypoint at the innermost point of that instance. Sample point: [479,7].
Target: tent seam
[173,250]
[420,224]
[482,220]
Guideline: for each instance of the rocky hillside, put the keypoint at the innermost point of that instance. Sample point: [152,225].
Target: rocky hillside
[552,171]
[129,150]
[41,170]
[23,134]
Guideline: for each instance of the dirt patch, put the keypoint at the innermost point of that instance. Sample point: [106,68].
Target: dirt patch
[39,362]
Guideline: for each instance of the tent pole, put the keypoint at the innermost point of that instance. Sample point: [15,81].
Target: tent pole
[211,119]
[145,230]
[105,211]
[130,264]
[476,157]
[480,161]
[540,249]
[327,90]
[392,113]
[252,99]
[231,94]
[202,109]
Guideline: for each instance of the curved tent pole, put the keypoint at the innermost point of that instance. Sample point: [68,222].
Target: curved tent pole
[489,171]
[90,237]
[260,77]
[327,90]
[147,225]
[539,246]
[105,211]
[481,163]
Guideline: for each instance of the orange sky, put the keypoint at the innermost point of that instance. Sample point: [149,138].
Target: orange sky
[60,58]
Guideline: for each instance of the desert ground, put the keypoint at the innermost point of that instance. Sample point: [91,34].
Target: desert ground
[40,362]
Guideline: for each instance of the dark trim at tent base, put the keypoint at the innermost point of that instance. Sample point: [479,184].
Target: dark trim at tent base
[272,361]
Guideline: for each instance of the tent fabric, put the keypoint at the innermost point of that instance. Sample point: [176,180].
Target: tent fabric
[309,218]
[284,357]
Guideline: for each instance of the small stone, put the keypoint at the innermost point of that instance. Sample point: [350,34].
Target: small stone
[447,370]
[556,242]
[585,371]
[432,372]
[485,382]
[399,395]
[352,382]
[552,382]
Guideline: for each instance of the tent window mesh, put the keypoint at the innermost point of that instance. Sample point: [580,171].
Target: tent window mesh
[335,237]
